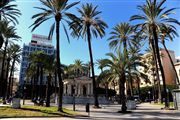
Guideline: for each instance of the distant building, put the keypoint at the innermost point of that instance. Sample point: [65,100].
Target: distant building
[170,77]
[38,43]
[177,67]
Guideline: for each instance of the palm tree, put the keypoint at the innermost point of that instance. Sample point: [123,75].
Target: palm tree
[55,9]
[14,52]
[86,25]
[105,78]
[153,16]
[8,12]
[100,63]
[49,68]
[122,33]
[165,33]
[38,58]
[31,75]
[120,66]
[9,33]
[77,67]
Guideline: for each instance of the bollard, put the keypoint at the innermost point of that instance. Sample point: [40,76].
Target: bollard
[87,109]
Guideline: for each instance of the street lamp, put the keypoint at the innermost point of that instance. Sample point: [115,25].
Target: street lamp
[74,96]
[24,89]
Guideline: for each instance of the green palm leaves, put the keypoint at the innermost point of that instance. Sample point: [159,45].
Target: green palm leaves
[88,19]
[9,12]
[122,33]
[53,9]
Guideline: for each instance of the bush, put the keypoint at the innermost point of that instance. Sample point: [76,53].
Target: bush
[102,91]
[145,95]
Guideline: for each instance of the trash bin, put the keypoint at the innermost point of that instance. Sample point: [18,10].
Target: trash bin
[16,103]
[176,99]
[131,104]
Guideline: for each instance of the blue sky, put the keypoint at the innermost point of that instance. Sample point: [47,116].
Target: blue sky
[113,12]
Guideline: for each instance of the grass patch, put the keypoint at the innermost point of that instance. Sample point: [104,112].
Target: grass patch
[32,111]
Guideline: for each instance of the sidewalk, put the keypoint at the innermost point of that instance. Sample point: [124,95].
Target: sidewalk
[144,111]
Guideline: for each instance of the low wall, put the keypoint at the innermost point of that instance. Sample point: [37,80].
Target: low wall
[84,100]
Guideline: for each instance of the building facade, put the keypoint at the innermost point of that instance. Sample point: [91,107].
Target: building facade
[177,67]
[38,43]
[170,76]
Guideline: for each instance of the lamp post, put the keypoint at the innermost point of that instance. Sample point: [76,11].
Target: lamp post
[167,95]
[24,89]
[74,103]
[149,96]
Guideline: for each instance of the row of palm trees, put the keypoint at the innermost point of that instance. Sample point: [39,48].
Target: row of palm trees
[87,24]
[10,52]
[154,23]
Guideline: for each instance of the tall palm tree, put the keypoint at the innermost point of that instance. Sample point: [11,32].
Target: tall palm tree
[8,12]
[16,59]
[153,16]
[55,9]
[9,34]
[88,24]
[168,32]
[122,33]
[49,68]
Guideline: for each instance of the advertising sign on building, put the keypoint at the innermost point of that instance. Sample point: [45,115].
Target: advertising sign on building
[40,39]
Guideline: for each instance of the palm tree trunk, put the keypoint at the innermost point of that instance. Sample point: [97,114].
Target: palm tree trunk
[120,98]
[122,91]
[156,69]
[130,82]
[114,86]
[60,92]
[106,87]
[171,61]
[12,83]
[48,91]
[10,78]
[5,81]
[41,85]
[32,89]
[2,70]
[55,83]
[36,84]
[139,90]
[160,65]
[1,40]
[96,103]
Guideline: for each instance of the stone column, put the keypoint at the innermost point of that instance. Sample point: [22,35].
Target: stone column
[79,88]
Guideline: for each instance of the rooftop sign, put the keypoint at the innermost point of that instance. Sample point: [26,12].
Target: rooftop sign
[41,39]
